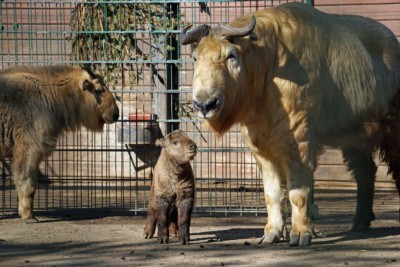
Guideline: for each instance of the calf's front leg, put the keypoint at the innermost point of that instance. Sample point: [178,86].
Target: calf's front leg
[151,223]
[163,220]
[151,220]
[173,221]
[185,208]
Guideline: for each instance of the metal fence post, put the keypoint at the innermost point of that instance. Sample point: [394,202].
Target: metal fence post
[172,73]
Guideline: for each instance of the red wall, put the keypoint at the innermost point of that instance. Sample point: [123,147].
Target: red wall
[385,11]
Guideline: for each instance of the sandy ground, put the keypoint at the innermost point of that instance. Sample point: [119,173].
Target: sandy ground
[101,238]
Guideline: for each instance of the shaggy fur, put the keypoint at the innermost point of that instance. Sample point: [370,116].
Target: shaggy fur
[303,79]
[172,190]
[37,105]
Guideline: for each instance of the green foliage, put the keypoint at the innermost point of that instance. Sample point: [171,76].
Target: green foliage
[109,34]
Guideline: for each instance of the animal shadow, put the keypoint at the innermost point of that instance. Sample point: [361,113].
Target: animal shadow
[228,234]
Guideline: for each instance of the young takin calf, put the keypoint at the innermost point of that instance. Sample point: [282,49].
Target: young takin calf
[172,190]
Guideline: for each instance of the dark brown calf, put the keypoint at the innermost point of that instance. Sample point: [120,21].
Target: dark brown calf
[172,190]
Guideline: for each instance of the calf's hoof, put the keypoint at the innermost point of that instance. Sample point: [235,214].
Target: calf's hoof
[184,241]
[163,240]
[147,235]
[148,232]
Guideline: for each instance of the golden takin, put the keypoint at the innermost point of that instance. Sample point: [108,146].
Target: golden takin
[37,105]
[297,79]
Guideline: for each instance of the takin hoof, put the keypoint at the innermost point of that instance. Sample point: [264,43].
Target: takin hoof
[31,220]
[270,238]
[148,233]
[163,240]
[300,239]
[184,241]
[147,236]
[361,224]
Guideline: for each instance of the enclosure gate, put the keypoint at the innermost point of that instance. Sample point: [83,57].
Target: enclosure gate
[134,44]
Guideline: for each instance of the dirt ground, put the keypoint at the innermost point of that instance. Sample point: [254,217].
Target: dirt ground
[113,238]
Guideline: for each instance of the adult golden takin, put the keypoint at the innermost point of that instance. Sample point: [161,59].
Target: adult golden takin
[297,79]
[37,105]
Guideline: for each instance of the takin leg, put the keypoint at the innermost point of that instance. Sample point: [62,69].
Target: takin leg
[25,166]
[151,220]
[300,184]
[363,169]
[163,210]
[394,168]
[390,147]
[274,197]
[396,177]
[185,208]
[173,222]
[300,199]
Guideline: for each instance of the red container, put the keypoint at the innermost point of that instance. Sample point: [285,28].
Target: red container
[141,117]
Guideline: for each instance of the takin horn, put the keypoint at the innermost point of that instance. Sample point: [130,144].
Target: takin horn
[231,32]
[195,35]
[90,72]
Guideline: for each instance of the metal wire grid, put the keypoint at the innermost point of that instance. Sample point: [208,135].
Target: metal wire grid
[109,170]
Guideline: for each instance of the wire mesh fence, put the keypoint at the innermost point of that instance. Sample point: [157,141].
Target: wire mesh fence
[134,44]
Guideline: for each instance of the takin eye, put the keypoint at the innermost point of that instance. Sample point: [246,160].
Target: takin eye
[195,59]
[98,91]
[232,55]
[175,142]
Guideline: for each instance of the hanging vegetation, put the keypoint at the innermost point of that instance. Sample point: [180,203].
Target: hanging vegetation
[118,36]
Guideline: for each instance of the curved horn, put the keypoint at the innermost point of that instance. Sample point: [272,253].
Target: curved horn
[195,35]
[228,31]
[89,71]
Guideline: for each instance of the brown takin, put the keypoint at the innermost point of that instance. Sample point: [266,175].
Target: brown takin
[37,105]
[297,79]
[172,190]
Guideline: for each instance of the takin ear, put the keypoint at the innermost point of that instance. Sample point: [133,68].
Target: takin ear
[193,46]
[160,142]
[88,86]
[253,37]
